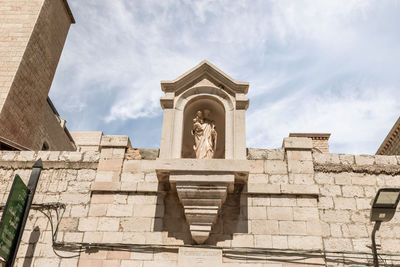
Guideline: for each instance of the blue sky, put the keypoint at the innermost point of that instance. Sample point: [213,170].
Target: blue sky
[313,66]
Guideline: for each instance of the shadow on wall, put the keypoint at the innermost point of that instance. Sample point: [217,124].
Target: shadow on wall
[232,218]
[33,239]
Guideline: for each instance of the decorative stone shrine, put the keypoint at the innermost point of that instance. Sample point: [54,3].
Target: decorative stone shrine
[204,118]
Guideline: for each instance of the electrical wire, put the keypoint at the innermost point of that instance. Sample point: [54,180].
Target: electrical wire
[237,253]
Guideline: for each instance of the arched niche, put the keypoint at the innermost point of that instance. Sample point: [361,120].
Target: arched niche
[217,114]
[203,87]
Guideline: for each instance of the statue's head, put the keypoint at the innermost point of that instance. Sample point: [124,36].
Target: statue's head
[199,114]
[206,113]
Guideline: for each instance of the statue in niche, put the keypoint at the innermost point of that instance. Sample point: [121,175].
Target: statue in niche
[205,135]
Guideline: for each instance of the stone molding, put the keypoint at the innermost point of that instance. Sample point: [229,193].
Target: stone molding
[369,169]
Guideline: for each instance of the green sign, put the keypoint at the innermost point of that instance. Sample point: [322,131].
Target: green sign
[12,216]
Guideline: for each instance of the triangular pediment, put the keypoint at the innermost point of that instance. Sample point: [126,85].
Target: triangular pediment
[205,72]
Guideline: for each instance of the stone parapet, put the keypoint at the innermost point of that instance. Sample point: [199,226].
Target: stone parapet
[51,159]
[284,208]
[115,141]
[297,143]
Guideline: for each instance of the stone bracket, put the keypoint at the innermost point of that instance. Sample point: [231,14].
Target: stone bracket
[202,187]
[202,196]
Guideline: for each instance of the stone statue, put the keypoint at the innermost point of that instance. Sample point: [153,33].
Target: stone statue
[205,135]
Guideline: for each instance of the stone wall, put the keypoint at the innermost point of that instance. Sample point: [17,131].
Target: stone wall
[298,207]
[32,36]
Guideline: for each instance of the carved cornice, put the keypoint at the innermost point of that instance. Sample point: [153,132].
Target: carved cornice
[387,144]
[205,69]
[313,136]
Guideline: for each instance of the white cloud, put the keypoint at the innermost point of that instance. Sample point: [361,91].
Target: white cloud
[298,56]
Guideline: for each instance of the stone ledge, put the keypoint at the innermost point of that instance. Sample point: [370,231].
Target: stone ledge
[51,156]
[297,143]
[117,187]
[240,168]
[121,141]
[284,189]
[222,165]
[370,169]
[258,153]
[48,165]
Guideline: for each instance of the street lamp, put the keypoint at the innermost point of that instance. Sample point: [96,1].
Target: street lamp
[383,210]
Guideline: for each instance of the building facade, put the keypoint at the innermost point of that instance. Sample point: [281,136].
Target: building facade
[32,37]
[101,202]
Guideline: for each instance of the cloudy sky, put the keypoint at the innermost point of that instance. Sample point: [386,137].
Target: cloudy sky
[313,66]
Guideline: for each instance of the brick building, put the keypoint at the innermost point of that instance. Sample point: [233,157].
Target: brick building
[119,206]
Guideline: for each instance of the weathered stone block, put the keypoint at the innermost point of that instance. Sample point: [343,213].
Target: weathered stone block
[298,155]
[132,177]
[314,228]
[263,188]
[305,242]
[136,224]
[363,179]
[119,210]
[292,228]
[305,214]
[326,158]
[330,190]
[343,178]
[242,240]
[342,203]
[275,167]
[325,202]
[263,241]
[97,210]
[307,202]
[364,160]
[104,176]
[352,191]
[144,210]
[363,204]
[335,216]
[279,179]
[279,241]
[108,224]
[297,143]
[101,198]
[346,159]
[299,189]
[257,178]
[73,237]
[300,166]
[385,160]
[280,213]
[88,224]
[110,164]
[342,244]
[283,201]
[298,178]
[256,166]
[105,186]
